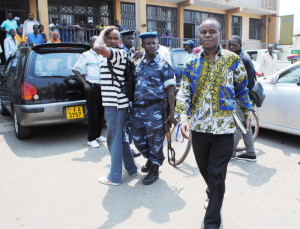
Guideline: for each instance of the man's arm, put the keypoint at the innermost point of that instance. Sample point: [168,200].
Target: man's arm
[100,46]
[86,86]
[171,102]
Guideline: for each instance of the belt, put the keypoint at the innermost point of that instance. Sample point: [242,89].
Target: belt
[147,104]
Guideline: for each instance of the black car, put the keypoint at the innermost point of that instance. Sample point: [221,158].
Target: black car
[38,87]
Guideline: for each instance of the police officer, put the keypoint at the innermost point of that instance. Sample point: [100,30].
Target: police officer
[154,85]
[128,38]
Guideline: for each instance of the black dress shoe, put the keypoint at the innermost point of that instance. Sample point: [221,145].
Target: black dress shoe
[152,175]
[146,168]
[135,154]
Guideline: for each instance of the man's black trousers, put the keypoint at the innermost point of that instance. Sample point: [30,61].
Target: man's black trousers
[212,153]
[95,112]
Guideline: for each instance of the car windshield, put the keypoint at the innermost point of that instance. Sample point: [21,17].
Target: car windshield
[178,59]
[53,64]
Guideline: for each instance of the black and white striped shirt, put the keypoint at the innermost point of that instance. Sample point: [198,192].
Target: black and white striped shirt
[111,89]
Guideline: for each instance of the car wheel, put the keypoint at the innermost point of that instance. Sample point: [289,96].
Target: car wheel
[3,111]
[21,132]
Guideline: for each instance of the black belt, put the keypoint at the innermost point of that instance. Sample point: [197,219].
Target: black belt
[147,104]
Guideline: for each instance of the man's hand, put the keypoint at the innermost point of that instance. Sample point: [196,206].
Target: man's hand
[248,124]
[171,120]
[185,129]
[87,87]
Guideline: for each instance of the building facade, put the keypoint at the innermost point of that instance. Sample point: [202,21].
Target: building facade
[254,20]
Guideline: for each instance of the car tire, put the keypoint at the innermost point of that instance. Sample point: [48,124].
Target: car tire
[3,111]
[20,131]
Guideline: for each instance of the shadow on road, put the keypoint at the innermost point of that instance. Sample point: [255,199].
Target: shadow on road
[159,199]
[52,140]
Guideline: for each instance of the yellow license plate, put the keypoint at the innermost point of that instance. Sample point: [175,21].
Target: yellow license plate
[74,112]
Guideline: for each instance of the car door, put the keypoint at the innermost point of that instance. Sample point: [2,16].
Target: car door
[281,107]
[8,83]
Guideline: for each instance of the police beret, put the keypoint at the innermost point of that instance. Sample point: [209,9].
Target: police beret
[148,35]
[127,32]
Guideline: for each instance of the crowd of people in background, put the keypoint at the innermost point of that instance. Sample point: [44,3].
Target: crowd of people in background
[30,32]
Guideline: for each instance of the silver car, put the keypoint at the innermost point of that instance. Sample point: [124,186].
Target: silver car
[281,108]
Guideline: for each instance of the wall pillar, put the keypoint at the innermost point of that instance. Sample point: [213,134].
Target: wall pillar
[180,21]
[141,15]
[43,16]
[33,8]
[117,11]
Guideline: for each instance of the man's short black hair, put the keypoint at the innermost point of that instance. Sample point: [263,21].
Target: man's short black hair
[237,38]
[212,20]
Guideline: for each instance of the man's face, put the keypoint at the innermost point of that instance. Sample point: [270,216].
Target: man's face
[81,24]
[19,31]
[112,39]
[209,35]
[91,25]
[116,22]
[41,29]
[12,32]
[270,49]
[234,46]
[35,29]
[65,21]
[30,16]
[9,16]
[55,21]
[186,48]
[128,40]
[150,45]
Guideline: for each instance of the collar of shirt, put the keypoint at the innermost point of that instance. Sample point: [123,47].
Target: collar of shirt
[220,52]
[127,50]
[155,59]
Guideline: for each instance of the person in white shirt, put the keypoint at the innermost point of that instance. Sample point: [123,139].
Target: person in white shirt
[89,64]
[28,24]
[10,44]
[268,62]
[163,51]
[54,26]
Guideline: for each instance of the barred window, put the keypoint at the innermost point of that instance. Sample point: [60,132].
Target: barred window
[236,25]
[162,19]
[128,15]
[255,28]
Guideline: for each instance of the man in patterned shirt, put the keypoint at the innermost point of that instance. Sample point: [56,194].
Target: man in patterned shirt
[213,81]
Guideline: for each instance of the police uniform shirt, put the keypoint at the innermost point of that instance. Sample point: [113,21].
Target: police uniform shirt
[152,77]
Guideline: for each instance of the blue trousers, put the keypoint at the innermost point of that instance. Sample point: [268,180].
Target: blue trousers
[117,144]
[148,132]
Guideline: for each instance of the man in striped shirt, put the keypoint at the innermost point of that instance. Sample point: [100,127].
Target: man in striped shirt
[89,64]
[115,104]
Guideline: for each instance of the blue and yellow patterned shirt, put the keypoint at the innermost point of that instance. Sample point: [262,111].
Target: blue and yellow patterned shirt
[209,91]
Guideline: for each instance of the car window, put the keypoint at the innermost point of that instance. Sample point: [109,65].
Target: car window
[290,76]
[53,64]
[178,58]
[10,70]
[253,55]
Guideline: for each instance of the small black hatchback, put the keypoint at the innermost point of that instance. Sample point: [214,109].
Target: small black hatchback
[38,87]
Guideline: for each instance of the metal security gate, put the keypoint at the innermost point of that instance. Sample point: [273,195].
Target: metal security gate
[162,19]
[193,19]
[128,16]
[77,10]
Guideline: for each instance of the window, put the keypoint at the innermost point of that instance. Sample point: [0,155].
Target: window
[162,19]
[255,29]
[53,64]
[128,15]
[196,17]
[236,25]
[290,76]
[10,70]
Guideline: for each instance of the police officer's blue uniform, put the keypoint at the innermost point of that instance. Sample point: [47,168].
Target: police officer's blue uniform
[152,79]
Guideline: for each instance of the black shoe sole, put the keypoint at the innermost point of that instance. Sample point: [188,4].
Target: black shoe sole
[137,154]
[150,182]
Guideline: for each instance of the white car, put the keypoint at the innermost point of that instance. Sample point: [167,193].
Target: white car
[281,108]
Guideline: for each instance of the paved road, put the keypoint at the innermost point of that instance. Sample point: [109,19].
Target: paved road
[50,182]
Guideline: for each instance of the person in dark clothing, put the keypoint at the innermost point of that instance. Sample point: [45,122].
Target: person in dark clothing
[235,45]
